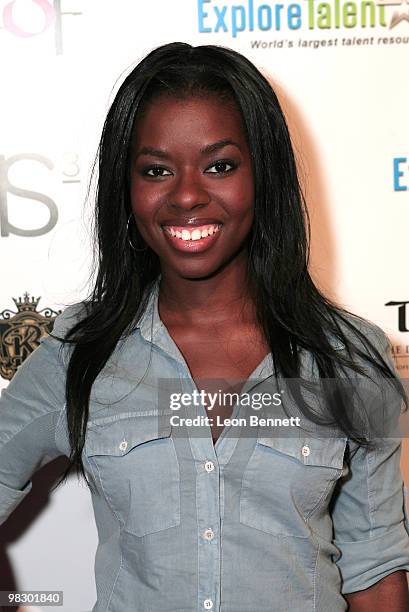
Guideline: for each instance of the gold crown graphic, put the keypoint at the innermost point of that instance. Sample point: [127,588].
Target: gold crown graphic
[26,304]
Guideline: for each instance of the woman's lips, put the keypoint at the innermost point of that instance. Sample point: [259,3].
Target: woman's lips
[192,246]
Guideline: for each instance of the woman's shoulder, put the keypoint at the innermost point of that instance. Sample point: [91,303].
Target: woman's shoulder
[356,329]
[69,317]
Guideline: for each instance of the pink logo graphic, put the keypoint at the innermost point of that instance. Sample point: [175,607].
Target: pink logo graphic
[14,28]
[52,17]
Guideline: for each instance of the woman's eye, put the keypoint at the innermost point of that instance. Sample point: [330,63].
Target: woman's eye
[156,171]
[221,167]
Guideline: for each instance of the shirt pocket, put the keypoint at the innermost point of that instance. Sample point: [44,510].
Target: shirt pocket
[286,480]
[137,466]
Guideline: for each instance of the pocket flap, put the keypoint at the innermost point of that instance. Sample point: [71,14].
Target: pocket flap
[328,452]
[118,437]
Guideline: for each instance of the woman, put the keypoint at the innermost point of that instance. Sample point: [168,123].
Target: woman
[202,280]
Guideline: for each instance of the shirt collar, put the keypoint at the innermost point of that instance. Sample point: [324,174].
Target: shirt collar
[153,330]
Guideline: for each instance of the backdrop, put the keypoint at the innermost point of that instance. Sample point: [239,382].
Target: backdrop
[338,68]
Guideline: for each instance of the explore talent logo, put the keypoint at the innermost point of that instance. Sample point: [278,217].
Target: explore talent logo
[400,10]
[400,174]
[215,16]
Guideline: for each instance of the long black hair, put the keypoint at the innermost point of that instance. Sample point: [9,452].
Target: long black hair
[292,312]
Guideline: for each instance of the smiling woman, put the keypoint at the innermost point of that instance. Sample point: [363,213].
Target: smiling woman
[202,285]
[192,153]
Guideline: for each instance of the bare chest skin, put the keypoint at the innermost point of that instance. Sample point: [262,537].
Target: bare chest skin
[221,361]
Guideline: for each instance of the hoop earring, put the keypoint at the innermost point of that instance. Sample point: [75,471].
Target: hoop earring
[130,243]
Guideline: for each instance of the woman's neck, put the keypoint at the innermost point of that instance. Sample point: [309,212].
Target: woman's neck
[216,299]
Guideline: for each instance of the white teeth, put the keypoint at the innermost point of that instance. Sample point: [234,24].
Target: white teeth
[195,234]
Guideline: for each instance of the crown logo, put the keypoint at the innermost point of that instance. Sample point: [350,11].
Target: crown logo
[21,332]
[26,305]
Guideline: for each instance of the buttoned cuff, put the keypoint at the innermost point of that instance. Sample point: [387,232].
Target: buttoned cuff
[11,498]
[365,562]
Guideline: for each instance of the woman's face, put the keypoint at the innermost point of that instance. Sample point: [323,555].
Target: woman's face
[191,176]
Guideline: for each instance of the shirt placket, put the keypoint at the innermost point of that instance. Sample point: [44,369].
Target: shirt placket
[208,508]
[210,460]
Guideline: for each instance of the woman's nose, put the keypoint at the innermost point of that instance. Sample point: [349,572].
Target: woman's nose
[188,191]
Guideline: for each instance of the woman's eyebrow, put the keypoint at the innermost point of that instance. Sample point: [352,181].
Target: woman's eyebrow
[219,145]
[206,150]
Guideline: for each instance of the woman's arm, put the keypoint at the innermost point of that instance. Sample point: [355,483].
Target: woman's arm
[371,527]
[391,593]
[31,407]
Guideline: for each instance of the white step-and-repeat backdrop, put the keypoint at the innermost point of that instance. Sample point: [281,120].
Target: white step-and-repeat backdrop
[339,70]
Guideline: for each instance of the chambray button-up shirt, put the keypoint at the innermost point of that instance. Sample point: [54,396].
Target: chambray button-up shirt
[255,523]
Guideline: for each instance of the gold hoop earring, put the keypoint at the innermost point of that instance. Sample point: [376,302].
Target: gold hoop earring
[129,240]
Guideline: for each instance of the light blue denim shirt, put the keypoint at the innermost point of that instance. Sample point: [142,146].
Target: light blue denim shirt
[254,523]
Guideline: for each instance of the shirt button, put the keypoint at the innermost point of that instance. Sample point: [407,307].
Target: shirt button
[209,467]
[208,604]
[208,534]
[123,446]
[305,450]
